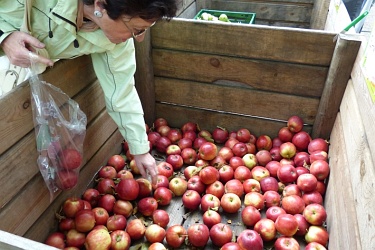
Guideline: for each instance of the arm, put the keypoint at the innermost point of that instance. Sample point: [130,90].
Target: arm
[115,70]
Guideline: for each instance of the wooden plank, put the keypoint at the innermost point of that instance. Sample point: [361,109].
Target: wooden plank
[339,197]
[268,11]
[91,102]
[47,223]
[302,46]
[339,73]
[361,166]
[319,14]
[263,75]
[144,78]
[235,99]
[14,242]
[16,112]
[209,119]
[35,193]
[282,24]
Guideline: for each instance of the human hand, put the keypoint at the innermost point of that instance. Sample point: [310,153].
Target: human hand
[146,165]
[17,47]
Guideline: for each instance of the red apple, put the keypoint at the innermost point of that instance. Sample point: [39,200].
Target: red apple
[186,142]
[287,174]
[84,220]
[70,159]
[211,217]
[301,140]
[295,123]
[101,215]
[321,187]
[192,135]
[146,206]
[226,153]
[293,204]
[116,161]
[301,159]
[303,225]
[189,126]
[198,234]
[106,186]
[220,234]
[226,173]
[236,161]
[269,183]
[175,236]
[317,234]
[291,189]
[127,189]
[65,224]
[92,196]
[189,155]
[286,224]
[250,240]
[272,167]
[275,153]
[250,216]
[318,155]
[116,222]
[165,168]
[162,144]
[230,202]
[315,214]
[216,188]
[66,179]
[243,135]
[286,243]
[155,233]
[160,217]
[163,196]
[195,183]
[230,246]
[264,142]
[259,172]
[266,229]
[251,185]
[239,149]
[320,169]
[285,135]
[161,181]
[263,157]
[276,142]
[153,136]
[315,246]
[107,172]
[234,186]
[231,142]
[75,238]
[176,161]
[288,150]
[209,201]
[163,130]
[317,144]
[71,206]
[191,200]
[190,171]
[159,122]
[198,142]
[178,186]
[302,170]
[271,198]
[307,182]
[217,162]
[207,151]
[123,207]
[251,148]
[124,174]
[254,199]
[173,149]
[220,135]
[120,240]
[56,239]
[242,173]
[145,188]
[136,229]
[98,239]
[209,175]
[107,202]
[273,212]
[200,163]
[174,135]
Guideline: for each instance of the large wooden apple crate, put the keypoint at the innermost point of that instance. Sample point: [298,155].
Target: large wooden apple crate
[231,75]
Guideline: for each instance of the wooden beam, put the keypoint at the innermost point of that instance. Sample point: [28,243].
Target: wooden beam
[319,14]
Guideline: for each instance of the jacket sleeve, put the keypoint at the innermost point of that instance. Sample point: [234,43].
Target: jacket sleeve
[11,15]
[115,71]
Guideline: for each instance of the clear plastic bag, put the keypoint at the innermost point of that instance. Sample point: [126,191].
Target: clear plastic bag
[60,129]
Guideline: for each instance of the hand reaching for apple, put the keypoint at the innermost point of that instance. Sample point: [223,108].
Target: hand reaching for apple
[147,166]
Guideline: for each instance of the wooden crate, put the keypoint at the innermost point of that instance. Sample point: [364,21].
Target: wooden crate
[215,74]
[307,14]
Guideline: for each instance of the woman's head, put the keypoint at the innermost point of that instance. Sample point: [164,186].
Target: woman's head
[144,9]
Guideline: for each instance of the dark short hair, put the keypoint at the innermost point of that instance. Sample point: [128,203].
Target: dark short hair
[145,9]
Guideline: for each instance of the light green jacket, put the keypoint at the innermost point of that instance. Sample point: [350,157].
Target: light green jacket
[114,64]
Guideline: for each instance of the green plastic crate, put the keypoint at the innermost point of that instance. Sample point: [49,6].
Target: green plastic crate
[233,16]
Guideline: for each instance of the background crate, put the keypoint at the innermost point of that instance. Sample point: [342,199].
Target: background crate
[233,16]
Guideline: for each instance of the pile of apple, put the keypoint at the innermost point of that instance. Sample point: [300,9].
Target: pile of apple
[276,184]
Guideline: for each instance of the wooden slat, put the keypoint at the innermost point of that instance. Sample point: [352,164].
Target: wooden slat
[319,14]
[339,197]
[263,75]
[35,193]
[46,222]
[206,119]
[235,99]
[256,41]
[16,108]
[360,164]
[91,102]
[339,73]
